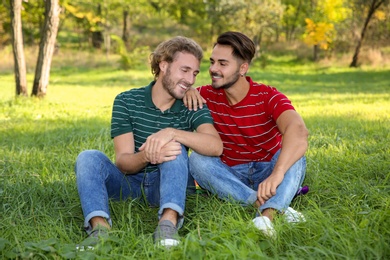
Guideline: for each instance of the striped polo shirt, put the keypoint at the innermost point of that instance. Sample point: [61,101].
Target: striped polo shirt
[248,129]
[134,111]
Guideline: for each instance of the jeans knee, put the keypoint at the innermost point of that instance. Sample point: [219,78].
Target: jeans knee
[201,165]
[195,159]
[183,157]
[179,164]
[86,154]
[88,158]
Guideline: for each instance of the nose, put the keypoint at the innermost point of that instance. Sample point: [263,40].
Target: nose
[212,68]
[190,78]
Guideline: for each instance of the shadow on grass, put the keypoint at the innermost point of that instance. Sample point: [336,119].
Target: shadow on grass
[374,82]
[290,75]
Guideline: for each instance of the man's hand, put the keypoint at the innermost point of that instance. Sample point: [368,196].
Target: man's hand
[153,147]
[267,188]
[192,99]
[168,152]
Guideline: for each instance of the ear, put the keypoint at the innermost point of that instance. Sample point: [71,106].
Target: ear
[163,66]
[244,68]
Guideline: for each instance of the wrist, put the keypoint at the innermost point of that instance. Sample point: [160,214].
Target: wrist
[278,172]
[173,133]
[144,157]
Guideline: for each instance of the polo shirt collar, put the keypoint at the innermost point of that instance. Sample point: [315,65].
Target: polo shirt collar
[176,107]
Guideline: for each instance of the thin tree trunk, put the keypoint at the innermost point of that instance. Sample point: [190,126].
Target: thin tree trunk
[374,5]
[126,25]
[17,45]
[97,36]
[315,52]
[46,47]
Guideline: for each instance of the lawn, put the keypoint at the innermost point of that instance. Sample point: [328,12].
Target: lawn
[347,112]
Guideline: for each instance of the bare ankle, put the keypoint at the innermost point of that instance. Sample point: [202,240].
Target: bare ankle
[171,215]
[99,221]
[269,213]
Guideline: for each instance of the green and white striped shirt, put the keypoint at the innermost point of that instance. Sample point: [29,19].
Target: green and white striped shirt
[134,111]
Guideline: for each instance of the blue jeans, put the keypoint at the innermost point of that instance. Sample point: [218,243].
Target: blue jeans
[98,180]
[240,182]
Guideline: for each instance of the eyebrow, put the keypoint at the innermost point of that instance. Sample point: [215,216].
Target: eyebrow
[220,60]
[189,68]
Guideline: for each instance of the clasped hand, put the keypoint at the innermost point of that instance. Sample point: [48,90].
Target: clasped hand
[161,147]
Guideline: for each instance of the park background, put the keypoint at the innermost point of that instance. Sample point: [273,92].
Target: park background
[331,58]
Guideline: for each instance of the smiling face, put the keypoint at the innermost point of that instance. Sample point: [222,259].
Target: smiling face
[225,69]
[180,74]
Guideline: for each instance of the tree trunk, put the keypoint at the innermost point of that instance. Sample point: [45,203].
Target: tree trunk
[375,4]
[97,39]
[125,33]
[46,47]
[126,28]
[97,36]
[17,45]
[315,52]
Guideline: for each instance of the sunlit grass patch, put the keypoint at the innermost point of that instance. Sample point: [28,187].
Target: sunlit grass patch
[348,172]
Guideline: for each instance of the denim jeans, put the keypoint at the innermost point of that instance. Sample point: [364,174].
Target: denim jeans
[98,180]
[240,182]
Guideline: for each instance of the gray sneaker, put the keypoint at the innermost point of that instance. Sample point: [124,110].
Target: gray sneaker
[93,239]
[166,234]
[99,232]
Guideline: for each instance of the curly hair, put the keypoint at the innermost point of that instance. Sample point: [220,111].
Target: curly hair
[168,50]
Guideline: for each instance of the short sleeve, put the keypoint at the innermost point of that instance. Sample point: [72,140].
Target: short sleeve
[201,116]
[278,103]
[121,119]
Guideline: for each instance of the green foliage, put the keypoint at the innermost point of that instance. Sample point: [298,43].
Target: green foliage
[5,24]
[88,18]
[32,20]
[267,22]
[294,16]
[133,59]
[347,208]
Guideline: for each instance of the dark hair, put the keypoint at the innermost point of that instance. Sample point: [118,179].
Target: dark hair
[168,50]
[243,47]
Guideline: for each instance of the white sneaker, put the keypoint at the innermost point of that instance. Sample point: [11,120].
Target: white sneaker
[264,224]
[293,216]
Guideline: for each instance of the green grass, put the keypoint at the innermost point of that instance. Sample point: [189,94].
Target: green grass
[347,209]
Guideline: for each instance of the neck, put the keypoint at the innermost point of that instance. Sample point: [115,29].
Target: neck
[238,91]
[161,98]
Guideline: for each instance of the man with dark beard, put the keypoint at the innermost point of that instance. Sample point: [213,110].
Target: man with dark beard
[264,138]
[152,131]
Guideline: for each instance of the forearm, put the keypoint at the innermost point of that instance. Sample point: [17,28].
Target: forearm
[203,143]
[131,163]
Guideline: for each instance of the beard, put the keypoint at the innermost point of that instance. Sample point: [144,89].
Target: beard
[169,85]
[231,81]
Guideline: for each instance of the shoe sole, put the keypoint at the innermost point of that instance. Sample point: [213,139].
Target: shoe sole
[169,242]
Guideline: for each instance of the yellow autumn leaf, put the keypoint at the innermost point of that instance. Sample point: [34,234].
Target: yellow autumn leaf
[380,15]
